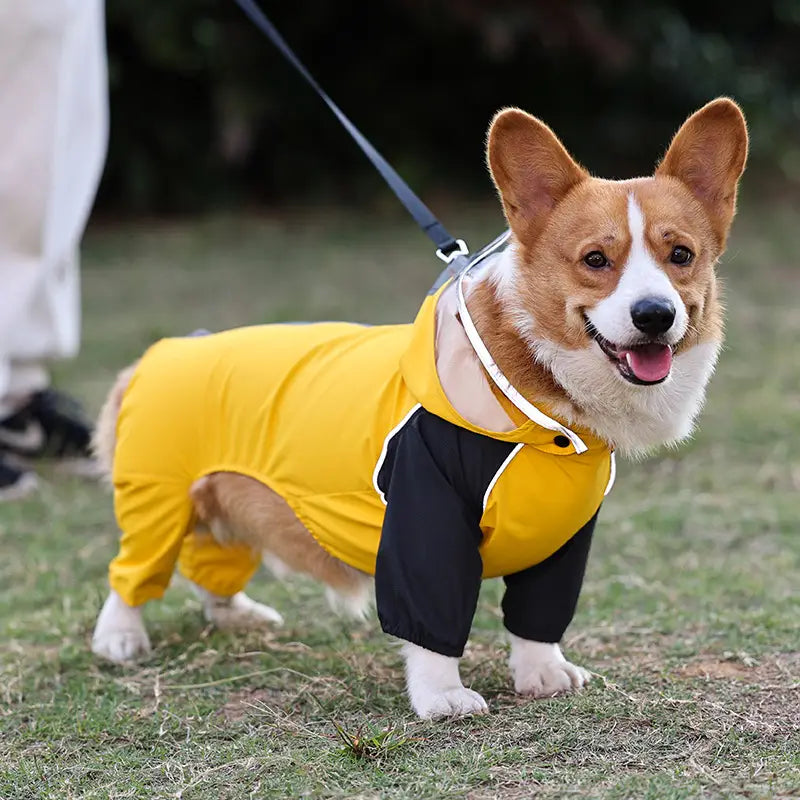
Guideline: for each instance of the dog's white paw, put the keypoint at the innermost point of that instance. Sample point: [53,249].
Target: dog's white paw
[122,647]
[354,605]
[434,685]
[547,680]
[238,611]
[120,635]
[455,702]
[540,669]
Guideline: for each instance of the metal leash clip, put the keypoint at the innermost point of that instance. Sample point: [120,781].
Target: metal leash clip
[461,249]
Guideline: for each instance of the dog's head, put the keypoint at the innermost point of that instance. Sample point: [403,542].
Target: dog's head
[612,283]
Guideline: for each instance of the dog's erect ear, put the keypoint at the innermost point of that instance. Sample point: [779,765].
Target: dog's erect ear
[708,154]
[530,168]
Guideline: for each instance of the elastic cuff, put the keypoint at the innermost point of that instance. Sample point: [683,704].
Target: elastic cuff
[227,587]
[219,589]
[138,596]
[20,380]
[543,635]
[433,645]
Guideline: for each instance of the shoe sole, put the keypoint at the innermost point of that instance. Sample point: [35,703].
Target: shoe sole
[24,487]
[80,467]
[77,466]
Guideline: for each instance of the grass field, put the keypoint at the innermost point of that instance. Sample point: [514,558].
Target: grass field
[690,614]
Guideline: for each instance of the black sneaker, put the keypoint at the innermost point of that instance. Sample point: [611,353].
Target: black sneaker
[15,483]
[51,425]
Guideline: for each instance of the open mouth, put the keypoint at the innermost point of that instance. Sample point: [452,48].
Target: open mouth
[643,364]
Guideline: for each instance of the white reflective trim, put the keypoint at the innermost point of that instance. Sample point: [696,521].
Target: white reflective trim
[499,472]
[503,383]
[490,250]
[385,448]
[612,474]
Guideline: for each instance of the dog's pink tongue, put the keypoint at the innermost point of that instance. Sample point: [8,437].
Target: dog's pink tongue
[650,362]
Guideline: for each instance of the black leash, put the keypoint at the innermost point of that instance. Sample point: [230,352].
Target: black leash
[448,247]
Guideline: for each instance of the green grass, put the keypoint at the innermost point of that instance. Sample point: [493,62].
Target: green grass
[690,612]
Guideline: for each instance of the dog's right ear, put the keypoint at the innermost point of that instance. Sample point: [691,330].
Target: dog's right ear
[531,169]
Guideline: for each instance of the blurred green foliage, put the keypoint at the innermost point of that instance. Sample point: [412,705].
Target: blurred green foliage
[206,113]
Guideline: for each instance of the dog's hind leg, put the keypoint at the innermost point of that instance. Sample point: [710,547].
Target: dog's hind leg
[218,573]
[240,509]
[236,610]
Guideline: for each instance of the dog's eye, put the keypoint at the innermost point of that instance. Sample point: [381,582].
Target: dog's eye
[595,260]
[681,255]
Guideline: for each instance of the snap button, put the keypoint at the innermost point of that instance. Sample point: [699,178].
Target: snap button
[561,441]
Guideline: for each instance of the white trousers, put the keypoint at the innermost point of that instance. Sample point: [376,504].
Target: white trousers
[53,134]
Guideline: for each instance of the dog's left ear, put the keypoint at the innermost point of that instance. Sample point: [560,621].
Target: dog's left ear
[708,155]
[531,169]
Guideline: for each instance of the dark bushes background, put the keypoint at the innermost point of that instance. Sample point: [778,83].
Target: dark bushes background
[205,113]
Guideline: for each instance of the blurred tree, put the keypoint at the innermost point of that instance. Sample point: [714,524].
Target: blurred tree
[205,112]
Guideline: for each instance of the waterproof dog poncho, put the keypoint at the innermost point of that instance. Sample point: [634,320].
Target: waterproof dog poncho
[352,426]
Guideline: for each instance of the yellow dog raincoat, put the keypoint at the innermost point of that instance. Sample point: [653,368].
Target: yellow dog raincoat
[351,426]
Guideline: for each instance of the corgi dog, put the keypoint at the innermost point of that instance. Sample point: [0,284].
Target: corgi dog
[413,461]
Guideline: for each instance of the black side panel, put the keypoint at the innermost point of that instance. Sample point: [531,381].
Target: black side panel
[428,571]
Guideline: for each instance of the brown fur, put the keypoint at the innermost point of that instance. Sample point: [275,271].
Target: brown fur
[692,196]
[509,350]
[238,508]
[531,168]
[104,440]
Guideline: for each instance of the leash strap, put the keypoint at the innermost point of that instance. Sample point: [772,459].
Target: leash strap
[447,246]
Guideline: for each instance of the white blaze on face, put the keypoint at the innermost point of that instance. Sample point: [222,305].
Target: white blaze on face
[641,277]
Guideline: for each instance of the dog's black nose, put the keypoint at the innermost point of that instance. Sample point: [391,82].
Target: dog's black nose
[653,315]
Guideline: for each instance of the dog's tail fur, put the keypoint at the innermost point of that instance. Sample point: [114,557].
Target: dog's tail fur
[104,441]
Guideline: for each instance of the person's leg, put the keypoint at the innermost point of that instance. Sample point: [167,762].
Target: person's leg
[16,481]
[53,130]
[48,423]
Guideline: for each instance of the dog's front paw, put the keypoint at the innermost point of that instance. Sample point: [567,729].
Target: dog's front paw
[455,702]
[120,635]
[238,611]
[540,669]
[546,680]
[434,685]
